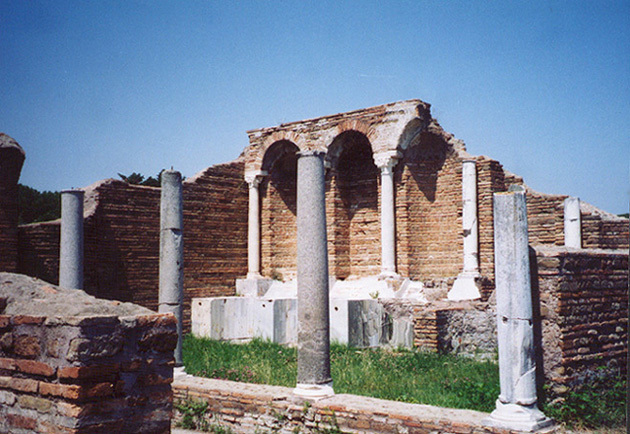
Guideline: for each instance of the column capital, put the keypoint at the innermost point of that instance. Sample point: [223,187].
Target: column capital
[254,177]
[311,153]
[387,160]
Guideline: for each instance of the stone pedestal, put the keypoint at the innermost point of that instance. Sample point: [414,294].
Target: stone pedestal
[572,223]
[313,378]
[386,162]
[255,287]
[171,293]
[466,286]
[71,243]
[517,404]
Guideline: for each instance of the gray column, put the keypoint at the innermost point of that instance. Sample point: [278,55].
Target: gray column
[71,243]
[517,407]
[466,284]
[572,223]
[172,252]
[386,162]
[253,234]
[313,378]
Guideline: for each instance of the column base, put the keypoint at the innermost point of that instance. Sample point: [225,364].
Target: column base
[466,287]
[386,274]
[314,391]
[527,418]
[253,287]
[179,372]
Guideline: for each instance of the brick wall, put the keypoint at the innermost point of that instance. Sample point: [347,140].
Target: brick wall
[248,408]
[584,311]
[122,226]
[92,373]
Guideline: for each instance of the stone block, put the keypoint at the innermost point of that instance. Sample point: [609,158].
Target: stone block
[253,287]
[285,321]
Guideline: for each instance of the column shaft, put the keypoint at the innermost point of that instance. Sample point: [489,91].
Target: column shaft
[517,404]
[312,268]
[572,223]
[253,225]
[171,293]
[386,162]
[469,217]
[71,243]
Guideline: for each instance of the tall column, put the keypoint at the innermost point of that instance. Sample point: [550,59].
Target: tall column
[517,407]
[572,223]
[172,252]
[71,243]
[253,229]
[386,162]
[313,378]
[465,287]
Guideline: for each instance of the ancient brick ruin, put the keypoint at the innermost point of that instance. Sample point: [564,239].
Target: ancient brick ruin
[71,363]
[390,161]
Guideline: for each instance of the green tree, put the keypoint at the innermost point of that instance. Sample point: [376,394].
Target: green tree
[36,206]
[138,179]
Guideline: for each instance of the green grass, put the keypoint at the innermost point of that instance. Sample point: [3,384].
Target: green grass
[400,375]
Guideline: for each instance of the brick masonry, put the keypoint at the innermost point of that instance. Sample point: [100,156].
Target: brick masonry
[248,408]
[122,224]
[92,373]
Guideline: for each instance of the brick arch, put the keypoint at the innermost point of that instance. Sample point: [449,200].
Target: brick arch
[275,137]
[354,125]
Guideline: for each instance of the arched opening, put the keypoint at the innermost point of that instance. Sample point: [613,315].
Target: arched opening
[355,250]
[278,193]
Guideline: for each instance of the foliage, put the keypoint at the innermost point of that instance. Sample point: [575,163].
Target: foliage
[401,375]
[36,206]
[195,417]
[597,404]
[138,179]
[626,215]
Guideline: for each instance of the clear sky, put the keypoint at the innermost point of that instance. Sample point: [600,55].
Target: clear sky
[94,88]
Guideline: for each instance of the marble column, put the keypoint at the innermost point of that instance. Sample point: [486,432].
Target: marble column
[572,223]
[466,285]
[71,243]
[313,377]
[516,408]
[253,229]
[171,294]
[386,162]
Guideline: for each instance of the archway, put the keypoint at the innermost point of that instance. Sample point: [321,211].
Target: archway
[353,197]
[278,193]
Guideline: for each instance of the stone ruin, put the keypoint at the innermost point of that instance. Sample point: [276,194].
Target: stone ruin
[398,228]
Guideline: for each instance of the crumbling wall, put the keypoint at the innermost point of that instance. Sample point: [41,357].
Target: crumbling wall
[70,363]
[11,161]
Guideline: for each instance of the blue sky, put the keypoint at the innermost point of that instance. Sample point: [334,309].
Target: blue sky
[94,88]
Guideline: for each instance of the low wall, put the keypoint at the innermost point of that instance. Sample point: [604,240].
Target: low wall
[583,305]
[71,363]
[248,408]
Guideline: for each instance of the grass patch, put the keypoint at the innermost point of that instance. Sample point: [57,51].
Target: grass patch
[399,375]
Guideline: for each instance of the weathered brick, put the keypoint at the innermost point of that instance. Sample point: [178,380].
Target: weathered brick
[27,319]
[34,367]
[19,421]
[19,384]
[88,372]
